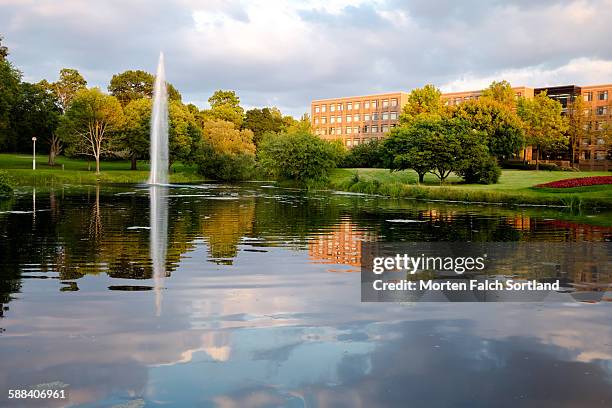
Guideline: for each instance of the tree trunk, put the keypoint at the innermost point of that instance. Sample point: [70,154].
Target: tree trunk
[421,177]
[538,159]
[133,165]
[97,164]
[51,161]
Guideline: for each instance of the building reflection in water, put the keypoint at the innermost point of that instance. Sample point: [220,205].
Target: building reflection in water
[158,237]
[341,246]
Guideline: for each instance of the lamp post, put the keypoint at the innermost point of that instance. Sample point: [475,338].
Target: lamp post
[34,153]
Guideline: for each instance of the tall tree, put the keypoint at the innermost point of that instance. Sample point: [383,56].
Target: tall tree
[426,101]
[10,78]
[134,137]
[183,132]
[261,121]
[545,127]
[502,126]
[3,50]
[501,92]
[578,126]
[135,84]
[224,105]
[91,122]
[66,87]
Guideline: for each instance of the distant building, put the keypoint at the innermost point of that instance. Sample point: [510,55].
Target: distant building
[360,119]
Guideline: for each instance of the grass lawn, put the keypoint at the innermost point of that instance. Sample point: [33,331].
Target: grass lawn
[514,187]
[79,171]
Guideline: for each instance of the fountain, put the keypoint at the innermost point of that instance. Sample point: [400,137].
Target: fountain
[158,179]
[159,127]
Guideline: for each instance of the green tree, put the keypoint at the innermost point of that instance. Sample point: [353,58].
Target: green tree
[502,126]
[366,155]
[183,132]
[3,50]
[224,105]
[10,78]
[91,124]
[135,135]
[298,156]
[426,101]
[501,92]
[66,87]
[545,127]
[135,84]
[261,121]
[578,126]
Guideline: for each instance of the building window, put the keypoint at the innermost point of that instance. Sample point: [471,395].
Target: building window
[393,115]
[316,120]
[374,129]
[385,116]
[332,119]
[338,131]
[375,116]
[339,119]
[349,106]
[385,128]
[355,130]
[588,96]
[323,108]
[324,119]
[600,155]
[349,130]
[356,105]
[349,118]
[603,95]
[356,142]
[349,142]
[602,110]
[317,110]
[356,118]
[375,104]
[339,106]
[366,105]
[394,102]
[385,103]
[365,129]
[366,116]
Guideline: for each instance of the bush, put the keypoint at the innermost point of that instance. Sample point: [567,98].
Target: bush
[481,171]
[223,166]
[298,156]
[367,155]
[515,165]
[6,185]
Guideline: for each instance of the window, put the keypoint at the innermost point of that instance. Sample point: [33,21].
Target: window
[393,115]
[603,95]
[588,96]
[356,118]
[323,109]
[355,130]
[349,130]
[375,116]
[317,110]
[338,131]
[366,105]
[374,104]
[385,115]
[339,106]
[394,102]
[349,118]
[323,119]
[366,116]
[349,142]
[316,120]
[349,106]
[385,128]
[374,129]
[365,129]
[356,105]
[385,103]
[332,119]
[339,119]
[600,155]
[602,110]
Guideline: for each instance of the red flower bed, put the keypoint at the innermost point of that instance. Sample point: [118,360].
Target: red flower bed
[578,182]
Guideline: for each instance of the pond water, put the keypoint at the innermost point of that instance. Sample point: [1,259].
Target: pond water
[249,296]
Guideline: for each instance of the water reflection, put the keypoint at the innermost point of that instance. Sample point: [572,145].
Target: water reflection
[251,315]
[158,238]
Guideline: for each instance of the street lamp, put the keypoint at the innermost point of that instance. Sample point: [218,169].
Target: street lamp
[34,153]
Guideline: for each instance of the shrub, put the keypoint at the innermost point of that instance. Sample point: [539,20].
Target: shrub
[480,170]
[223,166]
[367,155]
[528,166]
[6,185]
[578,182]
[298,156]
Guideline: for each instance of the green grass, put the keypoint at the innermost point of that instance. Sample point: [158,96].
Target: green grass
[514,187]
[78,171]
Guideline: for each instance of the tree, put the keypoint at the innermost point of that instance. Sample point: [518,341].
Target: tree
[408,147]
[423,101]
[135,135]
[91,123]
[371,154]
[501,92]
[3,50]
[261,121]
[577,126]
[545,127]
[183,132]
[131,85]
[503,128]
[10,78]
[66,87]
[224,105]
[298,156]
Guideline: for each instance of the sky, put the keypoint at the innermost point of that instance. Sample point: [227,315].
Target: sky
[285,53]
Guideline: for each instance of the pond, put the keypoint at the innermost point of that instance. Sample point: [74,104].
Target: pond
[249,296]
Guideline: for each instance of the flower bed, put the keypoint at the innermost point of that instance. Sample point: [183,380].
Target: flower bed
[578,182]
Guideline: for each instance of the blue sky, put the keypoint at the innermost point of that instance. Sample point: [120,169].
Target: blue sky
[285,53]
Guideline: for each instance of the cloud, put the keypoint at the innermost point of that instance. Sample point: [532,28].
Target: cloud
[286,53]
